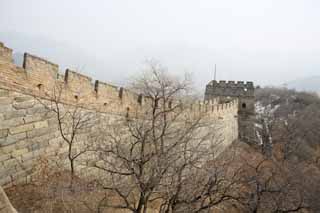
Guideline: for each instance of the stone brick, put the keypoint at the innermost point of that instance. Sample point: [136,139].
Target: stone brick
[22,98]
[5,100]
[4,93]
[4,157]
[38,132]
[41,124]
[22,143]
[32,118]
[3,133]
[23,105]
[7,149]
[21,128]
[5,108]
[19,152]
[27,156]
[14,114]
[34,146]
[10,163]
[4,182]
[36,110]
[12,139]
[11,123]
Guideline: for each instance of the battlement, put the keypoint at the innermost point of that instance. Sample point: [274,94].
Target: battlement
[229,89]
[238,84]
[28,131]
[39,74]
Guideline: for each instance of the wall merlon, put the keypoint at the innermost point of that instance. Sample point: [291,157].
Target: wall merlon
[5,53]
[78,83]
[40,71]
[37,58]
[129,97]
[106,91]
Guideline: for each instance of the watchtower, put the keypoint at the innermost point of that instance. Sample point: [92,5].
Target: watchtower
[244,92]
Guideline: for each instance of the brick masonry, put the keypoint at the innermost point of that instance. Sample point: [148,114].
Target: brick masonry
[28,131]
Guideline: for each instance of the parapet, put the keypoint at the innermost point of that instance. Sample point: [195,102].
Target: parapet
[78,83]
[39,70]
[39,77]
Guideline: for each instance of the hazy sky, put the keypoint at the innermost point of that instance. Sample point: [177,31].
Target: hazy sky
[267,41]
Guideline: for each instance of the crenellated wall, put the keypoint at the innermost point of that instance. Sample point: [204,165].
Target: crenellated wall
[27,131]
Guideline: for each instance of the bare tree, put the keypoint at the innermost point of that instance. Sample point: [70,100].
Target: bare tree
[74,122]
[150,159]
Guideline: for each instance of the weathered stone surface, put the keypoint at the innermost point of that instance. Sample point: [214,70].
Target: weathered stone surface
[32,118]
[5,108]
[14,114]
[7,149]
[12,139]
[23,105]
[4,124]
[5,100]
[4,93]
[38,132]
[10,163]
[36,110]
[22,98]
[4,133]
[21,128]
[4,157]
[41,124]
[19,152]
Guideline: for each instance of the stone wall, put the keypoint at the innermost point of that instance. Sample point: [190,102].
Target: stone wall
[28,131]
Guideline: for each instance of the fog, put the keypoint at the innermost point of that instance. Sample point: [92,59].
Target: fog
[269,42]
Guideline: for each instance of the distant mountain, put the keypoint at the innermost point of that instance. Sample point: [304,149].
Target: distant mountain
[311,84]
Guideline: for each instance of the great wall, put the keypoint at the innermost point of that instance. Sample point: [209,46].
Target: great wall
[26,133]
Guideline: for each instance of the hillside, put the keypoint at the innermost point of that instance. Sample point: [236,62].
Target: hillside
[311,84]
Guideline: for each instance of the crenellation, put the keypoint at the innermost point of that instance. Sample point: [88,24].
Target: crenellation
[78,83]
[106,91]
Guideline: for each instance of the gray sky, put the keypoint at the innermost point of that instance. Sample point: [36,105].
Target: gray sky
[267,41]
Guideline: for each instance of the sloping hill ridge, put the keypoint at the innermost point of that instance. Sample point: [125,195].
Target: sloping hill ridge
[311,84]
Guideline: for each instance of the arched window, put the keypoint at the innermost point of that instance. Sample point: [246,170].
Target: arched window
[244,105]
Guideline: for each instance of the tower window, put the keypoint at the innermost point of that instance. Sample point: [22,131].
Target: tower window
[244,105]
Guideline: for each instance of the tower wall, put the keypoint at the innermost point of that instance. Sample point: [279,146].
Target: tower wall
[244,92]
